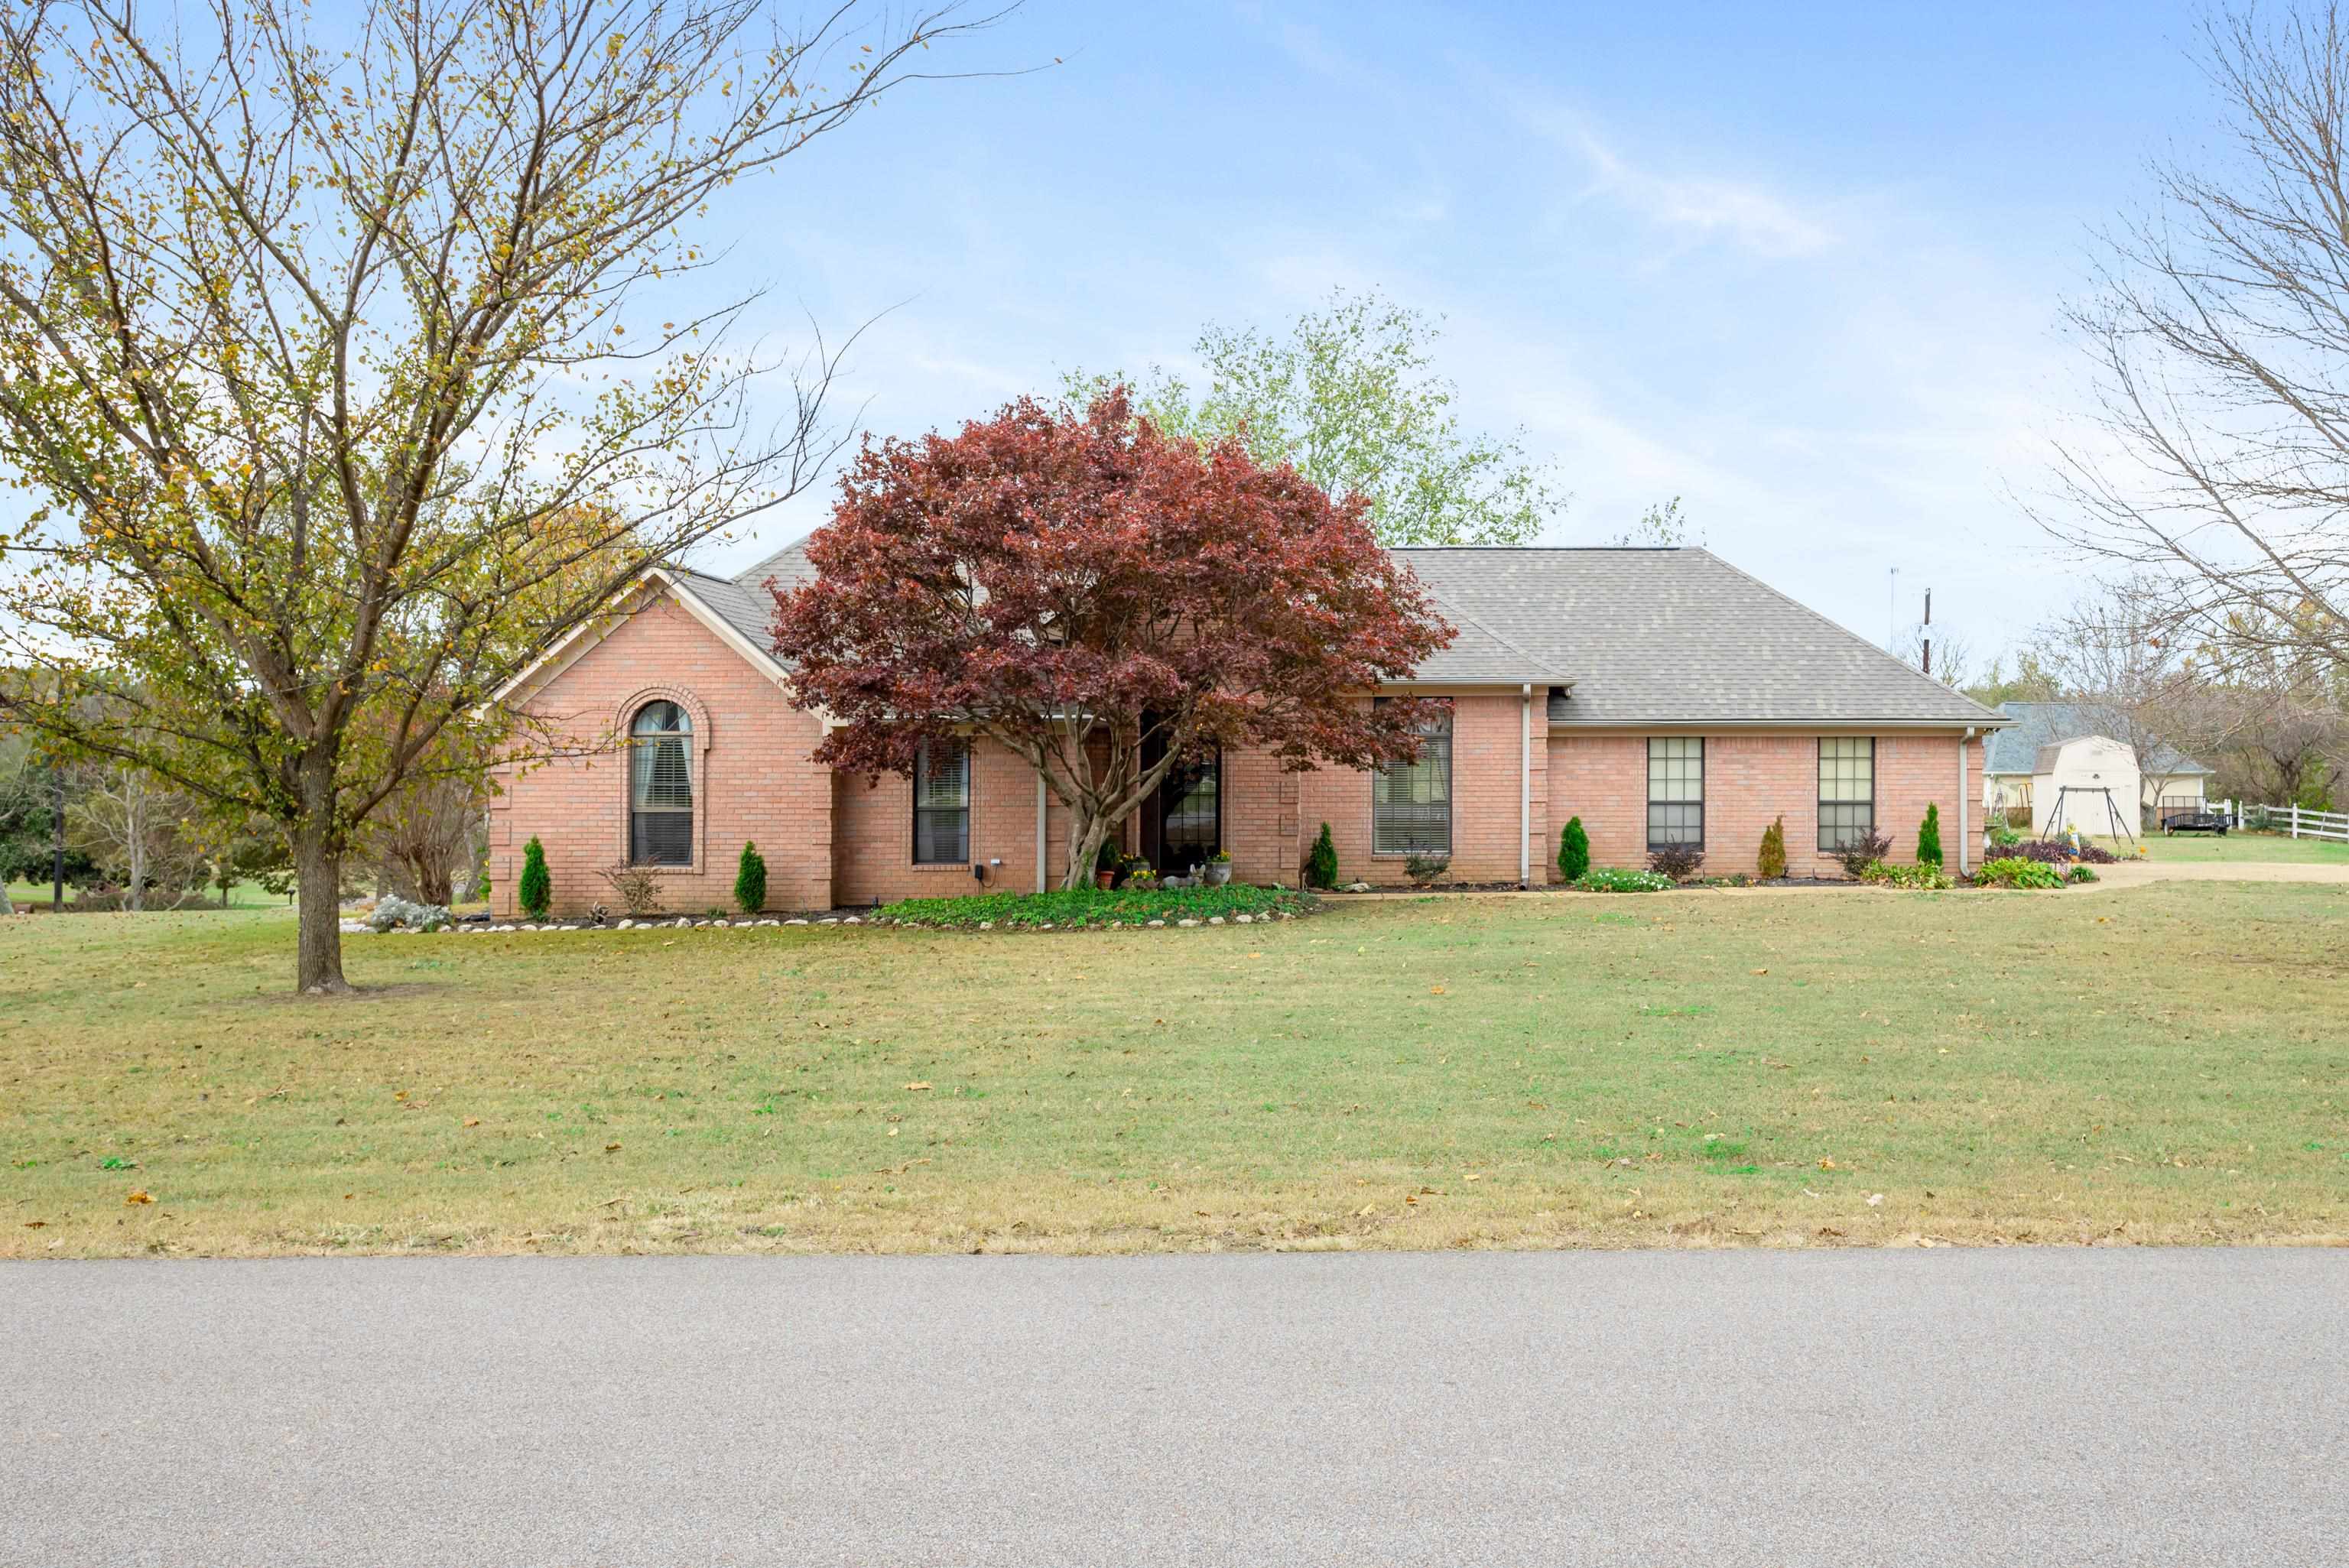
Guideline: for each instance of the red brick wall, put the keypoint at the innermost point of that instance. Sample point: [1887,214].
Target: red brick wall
[1485,757]
[873,834]
[1749,780]
[753,778]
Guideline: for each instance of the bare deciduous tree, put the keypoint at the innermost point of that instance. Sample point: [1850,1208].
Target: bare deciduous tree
[325,342]
[2220,335]
[427,839]
[1952,656]
[139,831]
[2114,655]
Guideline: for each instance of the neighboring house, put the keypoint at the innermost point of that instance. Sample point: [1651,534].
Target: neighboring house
[1660,694]
[2051,745]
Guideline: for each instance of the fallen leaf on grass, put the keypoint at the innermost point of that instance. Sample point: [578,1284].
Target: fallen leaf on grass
[1874,1199]
[916,1086]
[1436,990]
[1761,972]
[472,1122]
[1827,1164]
[36,1224]
[139,1196]
[611,1149]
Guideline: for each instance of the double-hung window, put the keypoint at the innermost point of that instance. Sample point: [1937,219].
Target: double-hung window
[942,804]
[1410,802]
[1675,790]
[1846,790]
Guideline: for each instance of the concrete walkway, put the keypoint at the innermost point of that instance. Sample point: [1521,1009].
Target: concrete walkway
[2092,1409]
[2137,873]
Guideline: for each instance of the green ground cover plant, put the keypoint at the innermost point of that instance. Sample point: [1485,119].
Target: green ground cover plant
[1093,906]
[1611,878]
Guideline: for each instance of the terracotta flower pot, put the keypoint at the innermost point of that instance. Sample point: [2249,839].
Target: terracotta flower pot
[1103,880]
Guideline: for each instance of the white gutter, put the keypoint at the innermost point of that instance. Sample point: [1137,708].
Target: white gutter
[1040,831]
[1964,743]
[1525,787]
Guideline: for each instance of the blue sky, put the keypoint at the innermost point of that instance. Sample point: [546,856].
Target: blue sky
[1799,266]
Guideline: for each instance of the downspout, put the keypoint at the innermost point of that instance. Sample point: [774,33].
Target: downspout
[1039,831]
[1525,787]
[1964,746]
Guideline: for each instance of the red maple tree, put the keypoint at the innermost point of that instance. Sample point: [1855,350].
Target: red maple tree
[1104,599]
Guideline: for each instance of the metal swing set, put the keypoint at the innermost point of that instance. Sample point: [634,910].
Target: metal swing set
[2112,811]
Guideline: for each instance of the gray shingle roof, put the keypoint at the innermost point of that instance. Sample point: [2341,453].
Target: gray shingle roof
[1673,636]
[2039,725]
[1643,637]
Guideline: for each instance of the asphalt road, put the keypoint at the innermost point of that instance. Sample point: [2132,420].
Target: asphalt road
[1997,1407]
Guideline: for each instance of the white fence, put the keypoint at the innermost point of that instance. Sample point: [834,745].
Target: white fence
[2297,820]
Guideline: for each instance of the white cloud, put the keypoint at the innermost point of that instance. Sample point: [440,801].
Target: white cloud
[1743,213]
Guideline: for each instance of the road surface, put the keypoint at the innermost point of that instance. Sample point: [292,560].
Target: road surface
[1924,1408]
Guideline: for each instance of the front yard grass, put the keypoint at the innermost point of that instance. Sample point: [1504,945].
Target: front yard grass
[2167,1063]
[2272,848]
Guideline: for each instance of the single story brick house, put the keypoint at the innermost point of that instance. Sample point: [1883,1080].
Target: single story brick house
[1660,694]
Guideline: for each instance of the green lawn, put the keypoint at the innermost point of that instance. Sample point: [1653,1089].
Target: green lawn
[2274,847]
[242,895]
[2162,1063]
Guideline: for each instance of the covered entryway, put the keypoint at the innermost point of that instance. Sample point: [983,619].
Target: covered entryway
[1183,823]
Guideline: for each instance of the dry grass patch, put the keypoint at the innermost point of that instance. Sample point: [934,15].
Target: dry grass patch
[2168,1063]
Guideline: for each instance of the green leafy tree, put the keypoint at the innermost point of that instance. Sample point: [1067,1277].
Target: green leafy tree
[1929,837]
[1573,850]
[1322,862]
[1350,395]
[751,880]
[1772,863]
[535,891]
[1660,528]
[334,354]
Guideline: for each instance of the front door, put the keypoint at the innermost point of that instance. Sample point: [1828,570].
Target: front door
[1183,823]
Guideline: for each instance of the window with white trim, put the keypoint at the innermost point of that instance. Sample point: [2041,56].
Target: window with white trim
[1846,790]
[1675,790]
[942,804]
[1410,802]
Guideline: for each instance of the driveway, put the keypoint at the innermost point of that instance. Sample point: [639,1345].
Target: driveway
[1923,1408]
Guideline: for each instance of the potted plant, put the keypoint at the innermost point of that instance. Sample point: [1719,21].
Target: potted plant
[1218,868]
[1105,866]
[1425,868]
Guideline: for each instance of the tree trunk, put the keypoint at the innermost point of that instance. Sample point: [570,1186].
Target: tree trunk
[318,870]
[134,823]
[1086,835]
[433,882]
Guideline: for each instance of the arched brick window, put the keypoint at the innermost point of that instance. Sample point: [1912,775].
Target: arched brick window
[661,785]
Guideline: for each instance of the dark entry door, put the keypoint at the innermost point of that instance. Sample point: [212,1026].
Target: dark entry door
[1183,823]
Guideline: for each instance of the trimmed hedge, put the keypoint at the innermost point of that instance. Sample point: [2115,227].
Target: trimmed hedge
[1084,907]
[1573,850]
[751,880]
[535,891]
